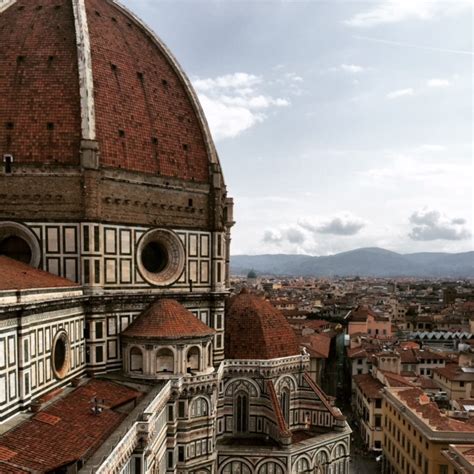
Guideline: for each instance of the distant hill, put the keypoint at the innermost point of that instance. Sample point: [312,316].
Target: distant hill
[361,262]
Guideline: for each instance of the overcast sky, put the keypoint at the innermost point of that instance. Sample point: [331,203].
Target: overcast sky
[339,124]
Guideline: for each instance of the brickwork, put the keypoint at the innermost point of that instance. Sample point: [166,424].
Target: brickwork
[39,103]
[145,119]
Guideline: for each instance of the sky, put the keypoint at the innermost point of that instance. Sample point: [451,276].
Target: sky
[339,124]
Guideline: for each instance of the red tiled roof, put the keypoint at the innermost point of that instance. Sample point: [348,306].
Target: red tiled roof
[455,373]
[361,313]
[396,380]
[368,385]
[167,319]
[16,275]
[429,412]
[43,446]
[318,345]
[257,330]
[144,95]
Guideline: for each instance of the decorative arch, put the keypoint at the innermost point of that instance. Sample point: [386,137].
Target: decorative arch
[193,359]
[199,407]
[321,461]
[285,381]
[270,467]
[236,466]
[165,360]
[338,451]
[136,359]
[249,385]
[302,465]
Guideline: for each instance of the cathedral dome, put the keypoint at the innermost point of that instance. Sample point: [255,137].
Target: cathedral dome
[86,76]
[255,329]
[167,319]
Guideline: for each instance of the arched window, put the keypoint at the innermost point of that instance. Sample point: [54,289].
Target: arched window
[241,403]
[302,466]
[193,360]
[165,361]
[136,360]
[235,467]
[270,468]
[285,404]
[199,407]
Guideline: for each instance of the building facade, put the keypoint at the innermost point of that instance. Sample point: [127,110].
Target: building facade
[114,264]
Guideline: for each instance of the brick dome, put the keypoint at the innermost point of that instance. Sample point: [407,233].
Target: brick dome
[255,329]
[167,319]
[79,74]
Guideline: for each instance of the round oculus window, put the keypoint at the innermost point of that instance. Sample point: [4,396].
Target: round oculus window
[60,355]
[160,257]
[19,243]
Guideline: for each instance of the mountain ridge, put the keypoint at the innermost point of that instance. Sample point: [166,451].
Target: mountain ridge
[368,261]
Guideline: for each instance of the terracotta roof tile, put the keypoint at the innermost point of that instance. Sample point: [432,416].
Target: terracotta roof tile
[429,412]
[257,330]
[369,386]
[41,446]
[318,345]
[16,275]
[167,319]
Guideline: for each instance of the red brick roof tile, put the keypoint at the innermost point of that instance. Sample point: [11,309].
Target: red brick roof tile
[16,275]
[254,329]
[167,319]
[142,102]
[43,447]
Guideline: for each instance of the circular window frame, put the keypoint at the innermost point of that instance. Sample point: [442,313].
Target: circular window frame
[174,247]
[14,229]
[64,370]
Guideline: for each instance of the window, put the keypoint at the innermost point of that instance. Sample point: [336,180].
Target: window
[443,469]
[99,354]
[180,454]
[241,412]
[199,407]
[181,410]
[98,330]
[285,405]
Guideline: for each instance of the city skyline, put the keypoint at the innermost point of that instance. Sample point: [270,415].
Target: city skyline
[338,124]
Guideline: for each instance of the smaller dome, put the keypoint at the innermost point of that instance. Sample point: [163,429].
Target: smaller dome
[167,319]
[255,329]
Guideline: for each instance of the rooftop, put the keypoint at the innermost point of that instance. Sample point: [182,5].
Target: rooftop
[15,275]
[67,430]
[167,319]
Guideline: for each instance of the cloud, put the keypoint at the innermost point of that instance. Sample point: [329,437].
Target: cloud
[400,93]
[293,235]
[351,68]
[426,164]
[432,225]
[234,103]
[344,224]
[394,11]
[438,83]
